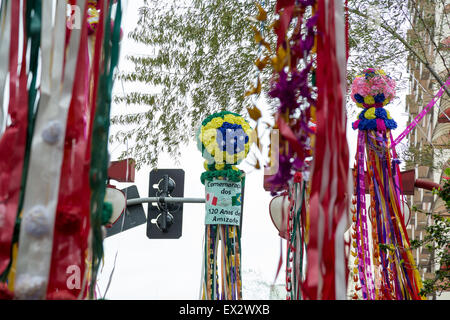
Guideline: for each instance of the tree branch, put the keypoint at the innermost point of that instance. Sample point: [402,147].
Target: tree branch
[430,34]
[407,45]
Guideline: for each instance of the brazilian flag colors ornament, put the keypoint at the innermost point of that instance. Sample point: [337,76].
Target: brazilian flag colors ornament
[224,140]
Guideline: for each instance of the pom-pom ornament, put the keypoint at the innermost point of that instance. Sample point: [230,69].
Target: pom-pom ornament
[372,90]
[52,132]
[29,287]
[68,221]
[224,139]
[36,222]
[373,87]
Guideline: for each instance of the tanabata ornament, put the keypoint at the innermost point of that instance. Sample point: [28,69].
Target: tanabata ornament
[309,83]
[296,225]
[330,183]
[371,91]
[383,265]
[292,87]
[224,140]
[52,183]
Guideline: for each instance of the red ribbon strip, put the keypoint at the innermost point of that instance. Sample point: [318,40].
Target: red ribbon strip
[285,8]
[328,203]
[72,225]
[287,133]
[13,141]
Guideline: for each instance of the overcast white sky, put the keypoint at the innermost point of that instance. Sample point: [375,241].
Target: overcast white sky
[170,269]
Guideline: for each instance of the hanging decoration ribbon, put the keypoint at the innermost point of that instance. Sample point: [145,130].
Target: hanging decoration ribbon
[5,16]
[99,133]
[293,83]
[293,87]
[295,244]
[39,208]
[58,124]
[13,140]
[313,151]
[224,140]
[384,267]
[33,31]
[72,223]
[326,270]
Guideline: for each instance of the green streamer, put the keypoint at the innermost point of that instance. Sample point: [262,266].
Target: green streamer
[297,224]
[99,151]
[33,18]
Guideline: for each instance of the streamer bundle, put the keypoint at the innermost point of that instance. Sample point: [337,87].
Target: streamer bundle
[293,87]
[309,67]
[384,267]
[326,272]
[51,193]
[296,242]
[224,140]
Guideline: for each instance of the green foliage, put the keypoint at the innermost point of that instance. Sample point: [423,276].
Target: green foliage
[437,241]
[203,62]
[444,192]
[371,45]
[423,155]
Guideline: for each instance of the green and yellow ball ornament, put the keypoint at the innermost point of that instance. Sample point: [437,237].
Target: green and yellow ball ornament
[224,140]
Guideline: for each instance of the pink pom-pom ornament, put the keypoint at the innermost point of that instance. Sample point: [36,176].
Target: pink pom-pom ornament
[373,88]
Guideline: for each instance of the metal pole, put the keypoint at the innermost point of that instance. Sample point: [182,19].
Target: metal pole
[132,202]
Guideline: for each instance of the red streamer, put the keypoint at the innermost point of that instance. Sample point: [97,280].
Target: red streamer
[328,201]
[71,232]
[13,141]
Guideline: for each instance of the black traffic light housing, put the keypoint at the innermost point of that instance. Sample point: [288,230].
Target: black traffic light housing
[165,219]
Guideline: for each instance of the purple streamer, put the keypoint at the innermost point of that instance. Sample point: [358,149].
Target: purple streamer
[362,195]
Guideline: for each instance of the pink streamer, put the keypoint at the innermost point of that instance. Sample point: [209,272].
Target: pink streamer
[421,114]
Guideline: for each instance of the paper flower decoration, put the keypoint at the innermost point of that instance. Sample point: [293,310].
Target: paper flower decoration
[30,287]
[224,139]
[37,222]
[373,88]
[372,91]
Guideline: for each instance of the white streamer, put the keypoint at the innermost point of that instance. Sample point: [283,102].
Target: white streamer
[34,255]
[5,28]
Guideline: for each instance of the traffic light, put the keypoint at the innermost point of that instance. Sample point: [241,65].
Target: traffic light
[165,219]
